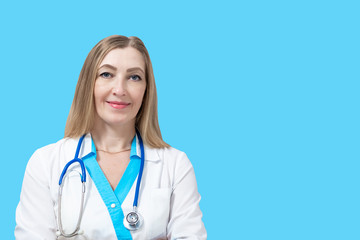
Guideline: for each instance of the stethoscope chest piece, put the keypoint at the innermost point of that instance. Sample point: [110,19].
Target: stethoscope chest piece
[133,220]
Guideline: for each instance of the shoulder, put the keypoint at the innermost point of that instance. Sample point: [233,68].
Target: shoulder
[173,157]
[51,153]
[170,151]
[57,147]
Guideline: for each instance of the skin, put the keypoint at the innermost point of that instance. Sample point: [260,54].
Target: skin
[119,90]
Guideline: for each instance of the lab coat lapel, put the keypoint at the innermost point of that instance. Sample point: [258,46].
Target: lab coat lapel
[151,154]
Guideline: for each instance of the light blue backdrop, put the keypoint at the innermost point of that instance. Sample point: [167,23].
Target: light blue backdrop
[263,96]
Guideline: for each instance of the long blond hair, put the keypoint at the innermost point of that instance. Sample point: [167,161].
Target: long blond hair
[82,112]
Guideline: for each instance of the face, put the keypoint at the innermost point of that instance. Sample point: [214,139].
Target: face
[119,87]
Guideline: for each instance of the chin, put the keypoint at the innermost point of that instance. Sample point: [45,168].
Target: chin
[120,122]
[115,120]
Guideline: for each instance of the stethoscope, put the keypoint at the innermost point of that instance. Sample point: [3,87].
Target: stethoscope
[132,221]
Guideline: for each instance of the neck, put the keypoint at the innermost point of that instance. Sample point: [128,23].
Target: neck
[113,139]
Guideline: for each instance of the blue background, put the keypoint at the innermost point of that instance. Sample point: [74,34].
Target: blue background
[263,96]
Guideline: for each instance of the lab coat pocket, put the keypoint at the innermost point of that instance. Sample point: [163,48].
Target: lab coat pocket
[159,212]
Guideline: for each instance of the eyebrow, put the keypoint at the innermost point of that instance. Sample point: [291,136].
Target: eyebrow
[108,66]
[128,70]
[135,68]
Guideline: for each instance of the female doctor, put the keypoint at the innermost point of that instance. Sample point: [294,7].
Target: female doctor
[112,176]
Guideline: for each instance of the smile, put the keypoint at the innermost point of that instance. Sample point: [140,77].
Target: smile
[118,105]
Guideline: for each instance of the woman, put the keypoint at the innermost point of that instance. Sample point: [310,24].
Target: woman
[114,98]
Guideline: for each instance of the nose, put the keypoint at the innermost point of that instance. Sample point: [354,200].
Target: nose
[119,88]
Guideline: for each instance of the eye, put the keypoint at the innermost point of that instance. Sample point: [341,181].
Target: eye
[106,75]
[135,77]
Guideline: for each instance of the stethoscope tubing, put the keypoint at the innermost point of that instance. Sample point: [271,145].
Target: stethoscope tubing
[140,171]
[83,181]
[76,159]
[61,232]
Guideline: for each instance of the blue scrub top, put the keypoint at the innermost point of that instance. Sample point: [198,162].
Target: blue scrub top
[117,196]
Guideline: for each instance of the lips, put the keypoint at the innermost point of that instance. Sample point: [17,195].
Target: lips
[118,105]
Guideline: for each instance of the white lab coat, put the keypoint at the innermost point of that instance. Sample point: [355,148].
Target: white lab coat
[168,199]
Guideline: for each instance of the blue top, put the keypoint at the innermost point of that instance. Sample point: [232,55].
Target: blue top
[117,196]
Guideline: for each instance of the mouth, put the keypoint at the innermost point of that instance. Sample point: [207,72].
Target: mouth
[118,105]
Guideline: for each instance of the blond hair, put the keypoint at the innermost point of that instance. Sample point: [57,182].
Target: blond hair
[82,112]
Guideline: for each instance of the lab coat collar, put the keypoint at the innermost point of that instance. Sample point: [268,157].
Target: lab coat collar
[151,154]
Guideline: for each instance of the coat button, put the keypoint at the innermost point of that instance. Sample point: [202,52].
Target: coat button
[113,205]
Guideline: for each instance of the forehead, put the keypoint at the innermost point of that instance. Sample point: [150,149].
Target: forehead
[127,57]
